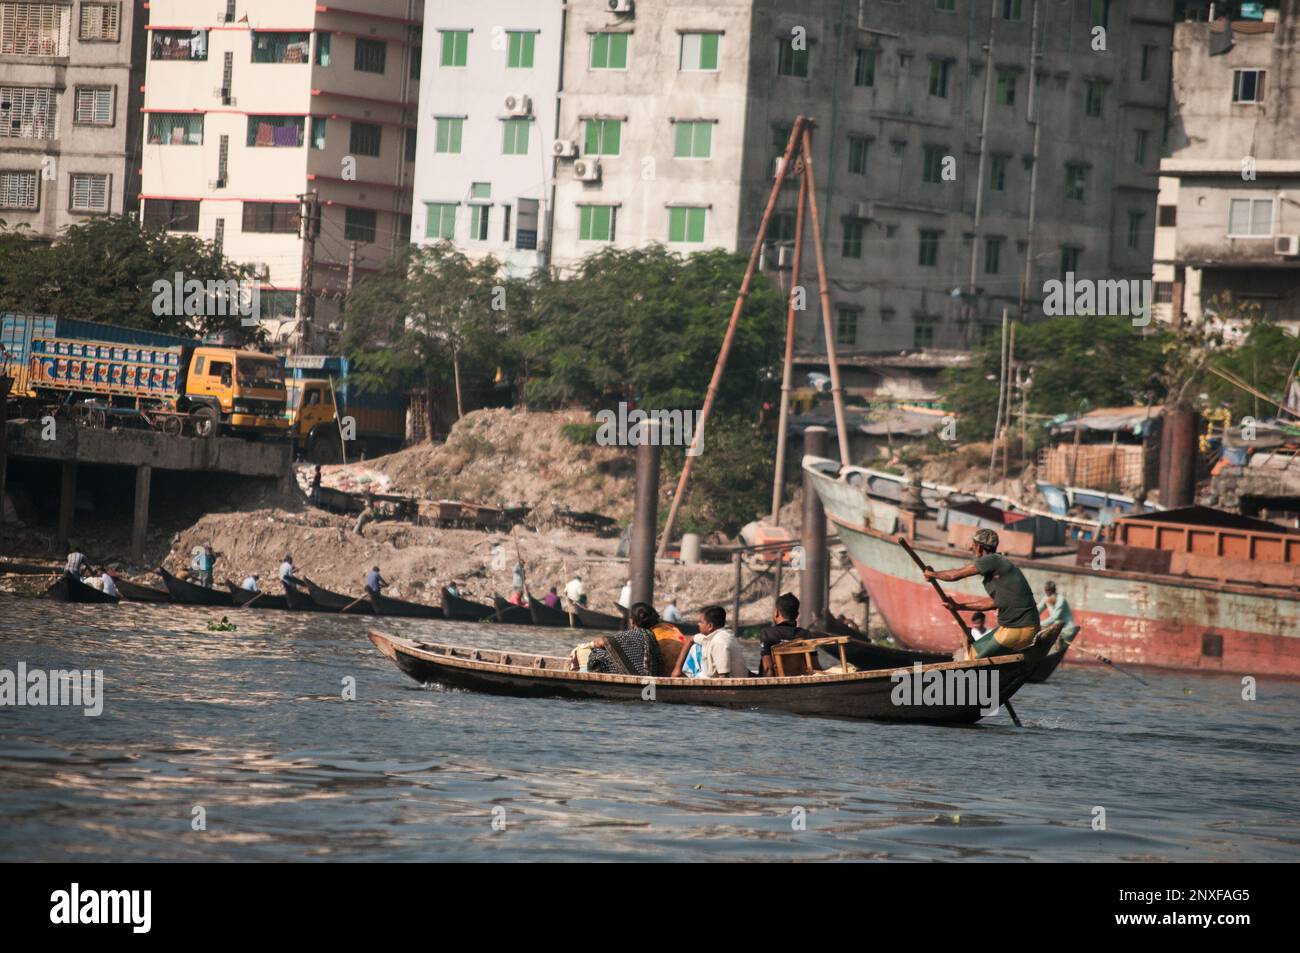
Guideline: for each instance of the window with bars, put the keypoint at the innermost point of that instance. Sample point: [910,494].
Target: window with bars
[940,72]
[275,132]
[992,255]
[178,45]
[359,224]
[34,29]
[364,139]
[858,155]
[928,248]
[93,105]
[791,62]
[852,247]
[864,68]
[29,112]
[846,326]
[20,190]
[88,192]
[274,217]
[173,215]
[923,330]
[1076,182]
[319,126]
[176,129]
[371,56]
[281,47]
[1006,91]
[1250,218]
[1094,98]
[99,22]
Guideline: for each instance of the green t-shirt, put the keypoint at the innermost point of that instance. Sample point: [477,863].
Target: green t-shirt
[1009,590]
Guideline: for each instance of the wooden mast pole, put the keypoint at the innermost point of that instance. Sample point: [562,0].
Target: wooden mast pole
[729,337]
[787,372]
[828,323]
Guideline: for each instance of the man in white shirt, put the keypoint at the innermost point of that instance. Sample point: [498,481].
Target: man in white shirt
[574,590]
[107,584]
[978,627]
[76,560]
[251,583]
[287,571]
[670,613]
[720,652]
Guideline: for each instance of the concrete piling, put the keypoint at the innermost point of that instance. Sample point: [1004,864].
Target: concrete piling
[812,588]
[645,519]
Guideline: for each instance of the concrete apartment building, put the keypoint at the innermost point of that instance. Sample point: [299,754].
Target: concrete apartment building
[284,131]
[70,127]
[671,114]
[1229,216]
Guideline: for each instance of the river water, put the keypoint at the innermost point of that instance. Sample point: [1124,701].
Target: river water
[247,734]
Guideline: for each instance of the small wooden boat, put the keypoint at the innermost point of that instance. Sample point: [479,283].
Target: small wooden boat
[138,593]
[556,618]
[337,602]
[387,605]
[466,610]
[875,694]
[864,654]
[591,619]
[510,614]
[191,595]
[68,588]
[255,600]
[299,600]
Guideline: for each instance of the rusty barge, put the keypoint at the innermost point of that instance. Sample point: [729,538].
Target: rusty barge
[1220,594]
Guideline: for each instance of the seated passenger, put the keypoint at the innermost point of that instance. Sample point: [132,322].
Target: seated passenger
[716,651]
[784,628]
[630,652]
[671,640]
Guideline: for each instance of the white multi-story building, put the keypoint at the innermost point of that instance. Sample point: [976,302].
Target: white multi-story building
[70,78]
[284,131]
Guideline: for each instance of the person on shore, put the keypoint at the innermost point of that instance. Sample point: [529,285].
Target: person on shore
[107,584]
[517,576]
[671,612]
[552,599]
[574,591]
[978,628]
[1008,593]
[625,596]
[76,562]
[367,515]
[784,628]
[1058,610]
[207,562]
[288,572]
[252,583]
[374,581]
[315,486]
[719,654]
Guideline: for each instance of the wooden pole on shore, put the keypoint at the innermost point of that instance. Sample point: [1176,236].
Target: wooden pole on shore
[787,371]
[735,603]
[730,336]
[812,535]
[646,514]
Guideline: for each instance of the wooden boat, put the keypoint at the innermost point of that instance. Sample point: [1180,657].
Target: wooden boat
[68,588]
[511,614]
[874,694]
[299,600]
[387,605]
[264,600]
[555,618]
[865,654]
[337,602]
[467,610]
[191,595]
[138,593]
[591,619]
[1049,664]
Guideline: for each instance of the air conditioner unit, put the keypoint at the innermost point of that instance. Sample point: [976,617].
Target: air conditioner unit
[587,170]
[619,6]
[564,148]
[518,105]
[1288,246]
[864,210]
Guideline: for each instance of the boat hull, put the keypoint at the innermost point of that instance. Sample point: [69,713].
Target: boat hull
[68,589]
[190,594]
[135,592]
[1047,666]
[337,602]
[247,599]
[466,610]
[1133,618]
[554,618]
[386,605]
[864,695]
[510,614]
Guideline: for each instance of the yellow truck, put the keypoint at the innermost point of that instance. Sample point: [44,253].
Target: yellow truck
[374,422]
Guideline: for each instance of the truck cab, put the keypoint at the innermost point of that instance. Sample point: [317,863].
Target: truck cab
[309,409]
[241,390]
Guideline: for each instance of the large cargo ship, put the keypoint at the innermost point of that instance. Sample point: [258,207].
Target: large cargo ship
[1196,611]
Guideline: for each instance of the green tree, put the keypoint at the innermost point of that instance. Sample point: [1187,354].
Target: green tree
[106,269]
[731,479]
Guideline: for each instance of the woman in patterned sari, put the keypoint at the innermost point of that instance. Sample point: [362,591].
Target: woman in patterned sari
[633,651]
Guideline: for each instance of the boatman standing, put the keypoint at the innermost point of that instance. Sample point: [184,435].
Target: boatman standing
[375,582]
[1008,592]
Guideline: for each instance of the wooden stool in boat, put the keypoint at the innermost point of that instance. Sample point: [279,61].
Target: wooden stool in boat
[796,656]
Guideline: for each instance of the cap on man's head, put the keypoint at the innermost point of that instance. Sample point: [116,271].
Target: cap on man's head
[986,538]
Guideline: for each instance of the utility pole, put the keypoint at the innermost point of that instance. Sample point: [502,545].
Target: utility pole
[309,224]
[352,268]
[970,306]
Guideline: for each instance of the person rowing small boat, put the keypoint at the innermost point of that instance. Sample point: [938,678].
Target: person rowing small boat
[1008,592]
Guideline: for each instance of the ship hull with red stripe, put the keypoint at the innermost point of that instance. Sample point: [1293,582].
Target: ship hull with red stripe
[1132,618]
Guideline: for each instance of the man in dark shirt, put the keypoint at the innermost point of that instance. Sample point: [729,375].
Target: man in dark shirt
[784,628]
[1008,592]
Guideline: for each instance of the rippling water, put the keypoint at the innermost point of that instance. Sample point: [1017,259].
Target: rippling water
[252,727]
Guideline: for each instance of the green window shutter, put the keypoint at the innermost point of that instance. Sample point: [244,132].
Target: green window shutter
[456,127]
[513,52]
[695,225]
[709,51]
[592,144]
[530,42]
[600,51]
[618,51]
[612,144]
[440,136]
[584,223]
[448,49]
[462,49]
[677,224]
[703,140]
[682,135]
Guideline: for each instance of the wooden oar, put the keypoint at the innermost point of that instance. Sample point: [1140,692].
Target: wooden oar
[259,595]
[956,614]
[354,602]
[1102,658]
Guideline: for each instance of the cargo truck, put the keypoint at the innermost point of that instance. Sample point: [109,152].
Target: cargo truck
[169,381]
[315,383]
